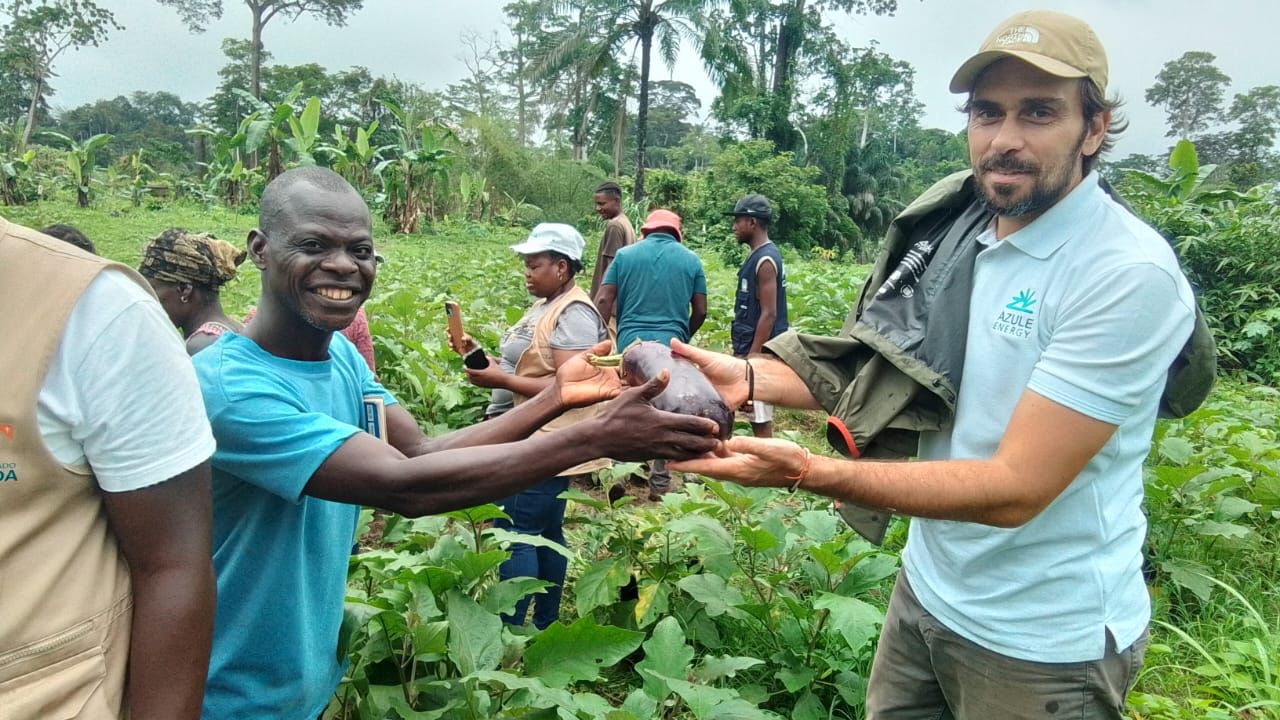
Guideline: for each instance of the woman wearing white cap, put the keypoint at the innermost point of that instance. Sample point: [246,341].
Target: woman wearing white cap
[561,323]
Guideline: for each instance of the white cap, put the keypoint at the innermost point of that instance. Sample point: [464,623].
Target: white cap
[553,237]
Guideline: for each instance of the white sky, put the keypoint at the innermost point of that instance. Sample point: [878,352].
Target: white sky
[418,41]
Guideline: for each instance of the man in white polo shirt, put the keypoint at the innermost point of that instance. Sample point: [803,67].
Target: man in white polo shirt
[1021,594]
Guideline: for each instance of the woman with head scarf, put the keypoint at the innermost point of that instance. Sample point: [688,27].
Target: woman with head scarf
[187,270]
[559,325]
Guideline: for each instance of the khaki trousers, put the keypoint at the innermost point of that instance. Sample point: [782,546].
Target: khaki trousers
[925,671]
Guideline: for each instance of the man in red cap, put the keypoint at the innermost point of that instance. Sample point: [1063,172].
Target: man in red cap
[657,290]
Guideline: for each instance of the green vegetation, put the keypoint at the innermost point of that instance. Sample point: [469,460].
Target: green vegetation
[720,601]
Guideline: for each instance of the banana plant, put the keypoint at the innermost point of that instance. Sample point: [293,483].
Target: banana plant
[288,130]
[1187,181]
[228,174]
[15,171]
[424,155]
[354,159]
[81,159]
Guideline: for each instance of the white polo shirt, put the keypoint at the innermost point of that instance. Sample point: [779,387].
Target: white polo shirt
[1087,307]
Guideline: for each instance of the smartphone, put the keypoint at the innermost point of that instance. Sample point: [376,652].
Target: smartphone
[476,359]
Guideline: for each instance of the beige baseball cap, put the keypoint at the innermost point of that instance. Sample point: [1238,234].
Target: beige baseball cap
[1058,44]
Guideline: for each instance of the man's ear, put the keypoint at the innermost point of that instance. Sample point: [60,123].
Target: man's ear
[257,245]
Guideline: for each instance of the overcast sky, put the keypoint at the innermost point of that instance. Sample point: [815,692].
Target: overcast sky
[418,41]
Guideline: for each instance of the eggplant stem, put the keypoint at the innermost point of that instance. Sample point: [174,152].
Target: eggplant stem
[610,361]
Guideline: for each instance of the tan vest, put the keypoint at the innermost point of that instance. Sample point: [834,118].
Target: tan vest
[65,601]
[538,361]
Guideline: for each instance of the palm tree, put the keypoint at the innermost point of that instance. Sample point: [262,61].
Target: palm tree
[606,27]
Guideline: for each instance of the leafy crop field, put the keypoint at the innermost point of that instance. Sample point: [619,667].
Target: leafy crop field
[721,602]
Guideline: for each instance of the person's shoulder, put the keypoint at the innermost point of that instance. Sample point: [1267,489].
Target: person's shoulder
[112,291]
[1130,240]
[234,368]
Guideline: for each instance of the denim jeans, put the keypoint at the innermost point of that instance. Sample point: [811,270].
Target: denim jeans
[536,511]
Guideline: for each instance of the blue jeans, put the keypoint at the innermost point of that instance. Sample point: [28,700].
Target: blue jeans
[536,511]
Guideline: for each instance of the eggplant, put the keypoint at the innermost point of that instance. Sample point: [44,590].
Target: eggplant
[688,391]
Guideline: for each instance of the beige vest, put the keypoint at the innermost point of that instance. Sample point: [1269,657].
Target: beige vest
[65,601]
[538,361]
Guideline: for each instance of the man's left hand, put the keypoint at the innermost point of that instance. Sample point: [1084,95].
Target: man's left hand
[578,383]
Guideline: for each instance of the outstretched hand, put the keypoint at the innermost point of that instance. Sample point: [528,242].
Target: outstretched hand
[727,374]
[750,461]
[579,383]
[632,430]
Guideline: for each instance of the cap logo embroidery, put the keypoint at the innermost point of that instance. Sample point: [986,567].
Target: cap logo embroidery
[1020,35]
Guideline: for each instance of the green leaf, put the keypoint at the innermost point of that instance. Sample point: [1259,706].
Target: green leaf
[795,679]
[503,597]
[1231,507]
[651,602]
[1183,160]
[355,617]
[1177,450]
[1214,528]
[503,535]
[667,653]
[640,705]
[599,584]
[1189,575]
[561,655]
[310,121]
[715,667]
[854,620]
[475,635]
[716,596]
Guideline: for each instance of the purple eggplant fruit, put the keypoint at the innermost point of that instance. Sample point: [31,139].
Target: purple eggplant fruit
[688,391]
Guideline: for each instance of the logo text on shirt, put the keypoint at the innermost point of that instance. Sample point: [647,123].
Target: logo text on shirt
[8,472]
[1018,318]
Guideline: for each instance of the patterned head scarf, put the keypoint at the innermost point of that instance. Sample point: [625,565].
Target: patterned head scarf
[178,256]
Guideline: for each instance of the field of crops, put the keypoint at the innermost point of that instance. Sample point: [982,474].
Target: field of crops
[721,602]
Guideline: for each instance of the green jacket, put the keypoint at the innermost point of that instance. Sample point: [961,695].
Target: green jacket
[894,369]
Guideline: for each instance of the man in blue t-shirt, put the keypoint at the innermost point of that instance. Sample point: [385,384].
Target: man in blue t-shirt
[658,291]
[302,444]
[760,303]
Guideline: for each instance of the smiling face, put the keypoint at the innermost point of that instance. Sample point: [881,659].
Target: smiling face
[1027,139]
[607,206]
[317,260]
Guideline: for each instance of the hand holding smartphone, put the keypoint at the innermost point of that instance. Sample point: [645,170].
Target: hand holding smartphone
[475,358]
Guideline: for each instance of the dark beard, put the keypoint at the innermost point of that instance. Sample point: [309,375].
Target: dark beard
[1046,191]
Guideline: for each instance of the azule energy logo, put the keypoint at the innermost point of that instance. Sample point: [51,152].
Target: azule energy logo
[1017,319]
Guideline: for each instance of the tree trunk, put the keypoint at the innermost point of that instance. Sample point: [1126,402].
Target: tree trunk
[522,116]
[789,39]
[642,112]
[82,197]
[36,92]
[620,126]
[255,53]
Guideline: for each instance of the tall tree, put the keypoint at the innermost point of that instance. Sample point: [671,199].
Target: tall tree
[38,32]
[1190,91]
[609,27]
[198,13]
[756,50]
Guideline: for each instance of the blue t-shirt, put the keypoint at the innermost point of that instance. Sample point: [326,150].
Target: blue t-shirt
[281,557]
[656,279]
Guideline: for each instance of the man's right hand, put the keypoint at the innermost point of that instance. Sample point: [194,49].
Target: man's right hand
[727,373]
[630,429]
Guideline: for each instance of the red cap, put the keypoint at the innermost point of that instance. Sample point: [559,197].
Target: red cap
[662,220]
